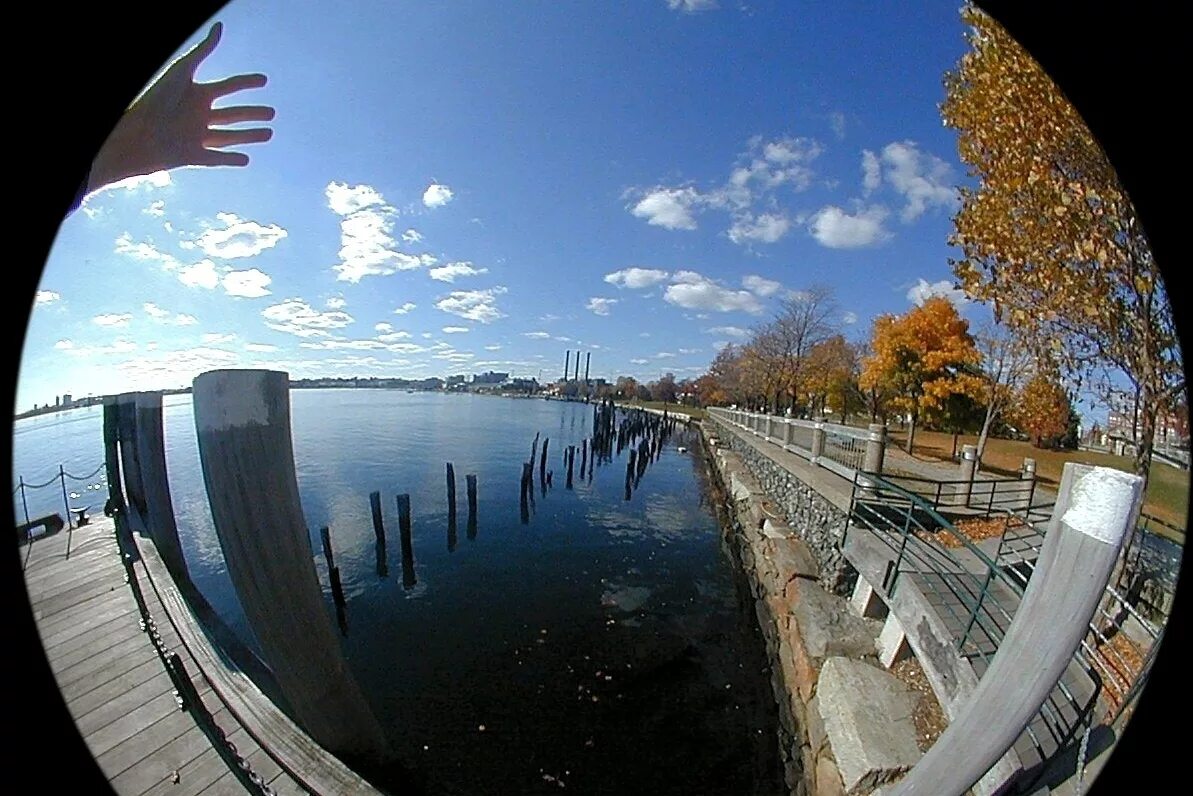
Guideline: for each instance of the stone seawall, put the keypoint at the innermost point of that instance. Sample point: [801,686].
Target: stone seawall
[845,722]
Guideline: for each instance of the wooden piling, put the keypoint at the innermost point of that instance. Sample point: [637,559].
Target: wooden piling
[583,457]
[543,461]
[378,523]
[451,493]
[408,579]
[470,486]
[337,589]
[571,463]
[522,497]
[159,508]
[245,449]
[325,537]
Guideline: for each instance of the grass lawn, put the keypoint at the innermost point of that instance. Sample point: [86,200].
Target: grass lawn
[677,409]
[1167,495]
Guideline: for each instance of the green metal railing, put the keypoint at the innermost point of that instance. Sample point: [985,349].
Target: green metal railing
[988,495]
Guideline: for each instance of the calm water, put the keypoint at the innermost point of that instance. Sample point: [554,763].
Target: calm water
[605,647]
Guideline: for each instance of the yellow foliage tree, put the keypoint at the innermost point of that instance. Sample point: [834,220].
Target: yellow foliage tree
[1042,409]
[921,358]
[1049,236]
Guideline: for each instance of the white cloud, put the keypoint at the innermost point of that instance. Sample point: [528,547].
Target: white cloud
[405,308]
[412,236]
[159,315]
[64,345]
[600,306]
[390,337]
[849,318]
[923,290]
[340,343]
[383,328]
[145,252]
[120,346]
[174,367]
[201,274]
[451,271]
[537,335]
[336,303]
[639,361]
[761,287]
[217,338]
[455,329]
[238,238]
[689,350]
[260,348]
[46,297]
[636,278]
[766,228]
[296,317]
[693,291]
[664,355]
[871,172]
[115,320]
[720,344]
[158,179]
[670,208]
[156,209]
[836,121]
[785,151]
[367,247]
[473,305]
[729,331]
[247,284]
[691,6]
[836,229]
[492,348]
[924,180]
[437,195]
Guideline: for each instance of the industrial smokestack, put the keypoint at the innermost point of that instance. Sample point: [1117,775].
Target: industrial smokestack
[577,365]
[587,360]
[567,361]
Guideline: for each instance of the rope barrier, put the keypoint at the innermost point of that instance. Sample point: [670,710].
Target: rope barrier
[85,477]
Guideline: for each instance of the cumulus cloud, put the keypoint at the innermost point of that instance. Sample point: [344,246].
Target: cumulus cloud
[367,247]
[766,228]
[924,180]
[405,308]
[452,271]
[871,172]
[159,315]
[260,348]
[729,331]
[664,355]
[537,335]
[120,346]
[849,318]
[383,327]
[437,195]
[156,209]
[473,305]
[689,350]
[639,361]
[493,347]
[455,329]
[46,297]
[412,236]
[336,303]
[694,291]
[834,228]
[600,306]
[761,287]
[145,252]
[636,278]
[238,237]
[923,290]
[113,319]
[201,274]
[216,338]
[669,208]
[294,316]
[246,284]
[394,336]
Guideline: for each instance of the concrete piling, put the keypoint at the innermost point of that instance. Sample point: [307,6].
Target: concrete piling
[247,457]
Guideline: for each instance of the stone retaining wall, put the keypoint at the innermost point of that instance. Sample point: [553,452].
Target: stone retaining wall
[819,522]
[845,722]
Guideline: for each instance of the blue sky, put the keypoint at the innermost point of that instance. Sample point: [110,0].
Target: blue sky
[463,186]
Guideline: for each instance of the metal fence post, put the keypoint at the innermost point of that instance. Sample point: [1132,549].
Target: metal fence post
[65,502]
[1095,509]
[24,504]
[969,461]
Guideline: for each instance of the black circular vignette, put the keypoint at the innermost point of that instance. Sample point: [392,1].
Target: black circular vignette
[1118,66]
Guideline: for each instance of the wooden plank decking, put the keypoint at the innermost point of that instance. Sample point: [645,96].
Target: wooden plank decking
[115,684]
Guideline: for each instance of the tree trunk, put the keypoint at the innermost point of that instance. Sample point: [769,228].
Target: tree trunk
[984,435]
[1147,411]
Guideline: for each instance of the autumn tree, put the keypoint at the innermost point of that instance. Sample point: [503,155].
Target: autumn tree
[1049,235]
[831,376]
[626,387]
[1042,409]
[1006,360]
[921,358]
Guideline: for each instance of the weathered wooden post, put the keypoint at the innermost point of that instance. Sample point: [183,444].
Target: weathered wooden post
[969,461]
[337,589]
[408,579]
[470,486]
[524,506]
[130,466]
[159,509]
[379,532]
[247,457]
[451,492]
[571,463]
[543,462]
[817,439]
[1095,509]
[325,537]
[583,456]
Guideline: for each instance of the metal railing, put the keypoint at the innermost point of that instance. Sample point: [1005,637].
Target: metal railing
[974,594]
[23,487]
[986,495]
[841,449]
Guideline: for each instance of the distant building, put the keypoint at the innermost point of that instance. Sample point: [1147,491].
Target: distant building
[453,381]
[492,377]
[67,400]
[520,385]
[56,401]
[1120,427]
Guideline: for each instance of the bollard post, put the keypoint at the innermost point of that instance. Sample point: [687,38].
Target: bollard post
[1095,509]
[246,453]
[875,448]
[969,462]
[788,434]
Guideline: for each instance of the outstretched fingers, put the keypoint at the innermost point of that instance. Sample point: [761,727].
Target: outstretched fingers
[204,48]
[213,157]
[241,113]
[215,138]
[230,85]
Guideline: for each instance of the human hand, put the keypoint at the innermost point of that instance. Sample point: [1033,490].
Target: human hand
[172,123]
